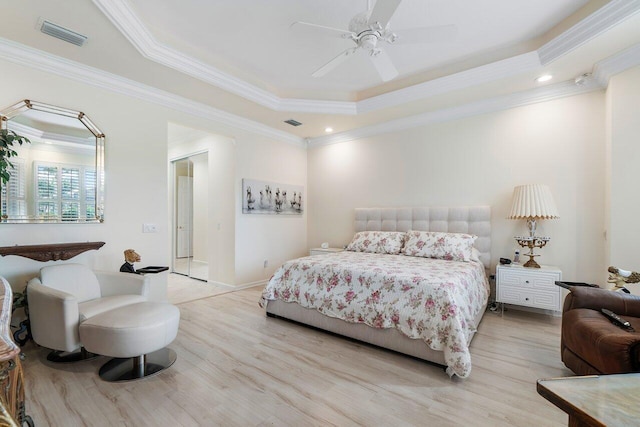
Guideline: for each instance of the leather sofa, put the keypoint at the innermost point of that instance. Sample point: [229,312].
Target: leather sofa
[590,343]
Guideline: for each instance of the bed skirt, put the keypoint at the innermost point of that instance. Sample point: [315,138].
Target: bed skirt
[390,339]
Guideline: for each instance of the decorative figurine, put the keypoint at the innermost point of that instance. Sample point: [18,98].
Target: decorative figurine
[130,256]
[620,277]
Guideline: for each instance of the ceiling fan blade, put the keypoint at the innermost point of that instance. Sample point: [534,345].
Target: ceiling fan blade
[344,55]
[314,29]
[383,64]
[383,11]
[439,33]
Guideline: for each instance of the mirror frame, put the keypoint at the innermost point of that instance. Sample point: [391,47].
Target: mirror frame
[25,105]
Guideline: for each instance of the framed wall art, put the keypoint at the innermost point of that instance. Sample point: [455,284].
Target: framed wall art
[263,197]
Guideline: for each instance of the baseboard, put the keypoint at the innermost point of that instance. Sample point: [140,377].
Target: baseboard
[239,287]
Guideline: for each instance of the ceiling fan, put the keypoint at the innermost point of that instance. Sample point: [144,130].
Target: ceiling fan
[367,30]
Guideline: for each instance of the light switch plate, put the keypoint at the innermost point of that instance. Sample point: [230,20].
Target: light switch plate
[149,228]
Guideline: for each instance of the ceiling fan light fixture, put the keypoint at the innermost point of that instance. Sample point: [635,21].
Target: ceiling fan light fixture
[368,30]
[369,41]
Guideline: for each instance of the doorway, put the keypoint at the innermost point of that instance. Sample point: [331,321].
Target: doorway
[190,216]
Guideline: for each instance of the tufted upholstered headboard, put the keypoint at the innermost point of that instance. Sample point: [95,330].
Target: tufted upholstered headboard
[469,219]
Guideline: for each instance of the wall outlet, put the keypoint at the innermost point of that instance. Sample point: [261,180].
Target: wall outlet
[149,228]
[266,263]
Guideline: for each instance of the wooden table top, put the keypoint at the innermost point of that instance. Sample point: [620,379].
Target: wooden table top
[595,400]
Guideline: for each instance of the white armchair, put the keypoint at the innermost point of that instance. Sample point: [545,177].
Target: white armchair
[65,295]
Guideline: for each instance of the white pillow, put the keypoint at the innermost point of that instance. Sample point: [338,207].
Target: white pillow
[377,242]
[433,244]
[475,254]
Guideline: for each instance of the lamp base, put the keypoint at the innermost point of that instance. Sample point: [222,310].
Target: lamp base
[531,263]
[532,242]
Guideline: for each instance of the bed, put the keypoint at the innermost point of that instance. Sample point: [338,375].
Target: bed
[413,281]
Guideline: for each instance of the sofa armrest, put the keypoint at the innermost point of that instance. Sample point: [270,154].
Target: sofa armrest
[117,283]
[54,317]
[597,299]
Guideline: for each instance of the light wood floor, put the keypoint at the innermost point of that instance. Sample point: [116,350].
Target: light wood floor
[236,367]
[183,289]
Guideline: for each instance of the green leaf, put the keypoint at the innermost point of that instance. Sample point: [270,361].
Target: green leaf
[8,138]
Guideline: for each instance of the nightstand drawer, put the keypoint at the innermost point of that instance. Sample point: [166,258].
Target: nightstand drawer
[538,279]
[528,297]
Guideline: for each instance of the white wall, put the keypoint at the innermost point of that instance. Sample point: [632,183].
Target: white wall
[478,161]
[137,183]
[239,248]
[220,217]
[472,161]
[623,99]
[275,238]
[132,195]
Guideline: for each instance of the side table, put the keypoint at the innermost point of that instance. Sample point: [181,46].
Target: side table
[529,287]
[158,282]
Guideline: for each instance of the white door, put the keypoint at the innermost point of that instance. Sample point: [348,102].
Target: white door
[183,214]
[190,217]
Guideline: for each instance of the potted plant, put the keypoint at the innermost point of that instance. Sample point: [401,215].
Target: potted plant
[8,139]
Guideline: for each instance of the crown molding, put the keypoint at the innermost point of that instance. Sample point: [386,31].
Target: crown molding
[615,64]
[518,99]
[127,22]
[598,22]
[40,60]
[37,134]
[603,19]
[120,13]
[475,76]
[27,56]
[602,73]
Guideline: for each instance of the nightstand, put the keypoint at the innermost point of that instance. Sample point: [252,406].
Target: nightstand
[322,251]
[529,287]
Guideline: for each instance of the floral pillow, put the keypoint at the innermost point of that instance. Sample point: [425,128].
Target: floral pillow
[377,242]
[431,244]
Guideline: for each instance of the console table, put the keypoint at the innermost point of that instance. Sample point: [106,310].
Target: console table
[595,400]
[50,251]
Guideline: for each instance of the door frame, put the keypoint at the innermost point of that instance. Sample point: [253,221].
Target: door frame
[174,203]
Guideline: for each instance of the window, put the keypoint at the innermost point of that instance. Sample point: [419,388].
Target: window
[14,203]
[65,191]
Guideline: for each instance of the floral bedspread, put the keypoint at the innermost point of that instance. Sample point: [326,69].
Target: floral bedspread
[428,299]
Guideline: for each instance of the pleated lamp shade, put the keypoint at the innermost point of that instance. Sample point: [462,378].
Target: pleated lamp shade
[533,201]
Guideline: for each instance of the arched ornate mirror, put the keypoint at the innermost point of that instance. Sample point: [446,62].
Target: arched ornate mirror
[59,176]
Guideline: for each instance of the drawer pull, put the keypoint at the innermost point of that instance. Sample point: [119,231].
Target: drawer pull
[526,281]
[526,299]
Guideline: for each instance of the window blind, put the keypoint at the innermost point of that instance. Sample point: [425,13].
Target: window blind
[65,191]
[14,201]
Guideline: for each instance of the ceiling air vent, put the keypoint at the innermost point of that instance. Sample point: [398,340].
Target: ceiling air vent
[62,33]
[292,122]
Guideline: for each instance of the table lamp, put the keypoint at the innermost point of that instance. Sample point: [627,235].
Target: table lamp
[532,202]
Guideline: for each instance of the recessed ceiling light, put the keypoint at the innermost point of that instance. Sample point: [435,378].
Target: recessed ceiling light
[544,78]
[328,130]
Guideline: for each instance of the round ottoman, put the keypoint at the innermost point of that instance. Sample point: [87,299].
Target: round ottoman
[135,336]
